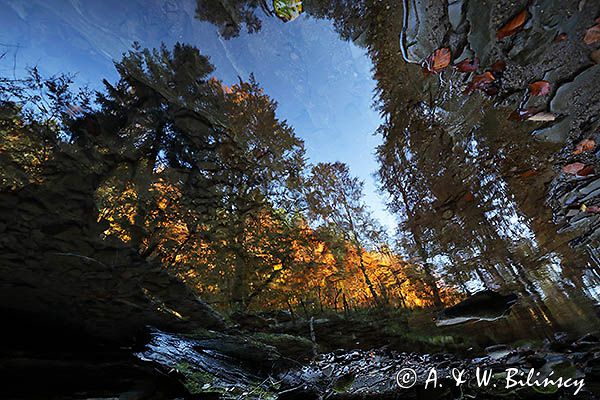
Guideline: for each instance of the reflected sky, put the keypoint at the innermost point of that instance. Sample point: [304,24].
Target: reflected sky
[323,85]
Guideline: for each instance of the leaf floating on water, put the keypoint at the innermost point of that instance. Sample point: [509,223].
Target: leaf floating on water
[584,145]
[592,35]
[480,82]
[467,65]
[288,10]
[539,88]
[438,61]
[573,168]
[542,117]
[512,26]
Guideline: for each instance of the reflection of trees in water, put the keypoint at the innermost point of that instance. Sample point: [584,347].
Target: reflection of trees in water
[470,186]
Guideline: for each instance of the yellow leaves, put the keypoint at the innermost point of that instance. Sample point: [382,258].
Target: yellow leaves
[584,146]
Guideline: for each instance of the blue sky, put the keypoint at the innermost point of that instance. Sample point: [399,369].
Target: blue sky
[323,85]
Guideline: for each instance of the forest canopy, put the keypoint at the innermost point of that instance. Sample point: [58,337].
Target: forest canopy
[205,179]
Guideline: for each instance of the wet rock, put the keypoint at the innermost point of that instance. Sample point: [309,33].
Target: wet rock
[498,352]
[486,305]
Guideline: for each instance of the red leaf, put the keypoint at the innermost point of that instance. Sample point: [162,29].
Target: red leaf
[467,65]
[438,61]
[512,26]
[592,209]
[584,145]
[539,88]
[469,197]
[480,82]
[573,168]
[592,35]
[585,171]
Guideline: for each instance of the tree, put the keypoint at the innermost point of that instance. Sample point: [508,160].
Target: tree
[217,155]
[335,199]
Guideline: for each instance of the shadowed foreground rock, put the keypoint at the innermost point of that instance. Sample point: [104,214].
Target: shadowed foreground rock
[486,305]
[55,263]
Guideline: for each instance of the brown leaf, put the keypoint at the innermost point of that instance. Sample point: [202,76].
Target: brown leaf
[585,171]
[467,65]
[498,66]
[528,174]
[584,145]
[512,26]
[595,56]
[592,35]
[480,82]
[469,197]
[561,37]
[539,88]
[438,61]
[573,168]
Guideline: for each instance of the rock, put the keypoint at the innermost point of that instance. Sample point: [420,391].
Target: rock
[498,352]
[486,305]
[56,265]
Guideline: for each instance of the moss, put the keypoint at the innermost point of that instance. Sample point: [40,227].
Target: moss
[287,345]
[196,381]
[344,383]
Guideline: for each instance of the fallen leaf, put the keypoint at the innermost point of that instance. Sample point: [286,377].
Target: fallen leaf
[467,65]
[585,171]
[539,88]
[592,35]
[573,168]
[469,197]
[498,66]
[512,26]
[561,37]
[590,209]
[480,82]
[542,117]
[595,56]
[584,145]
[529,174]
[438,61]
